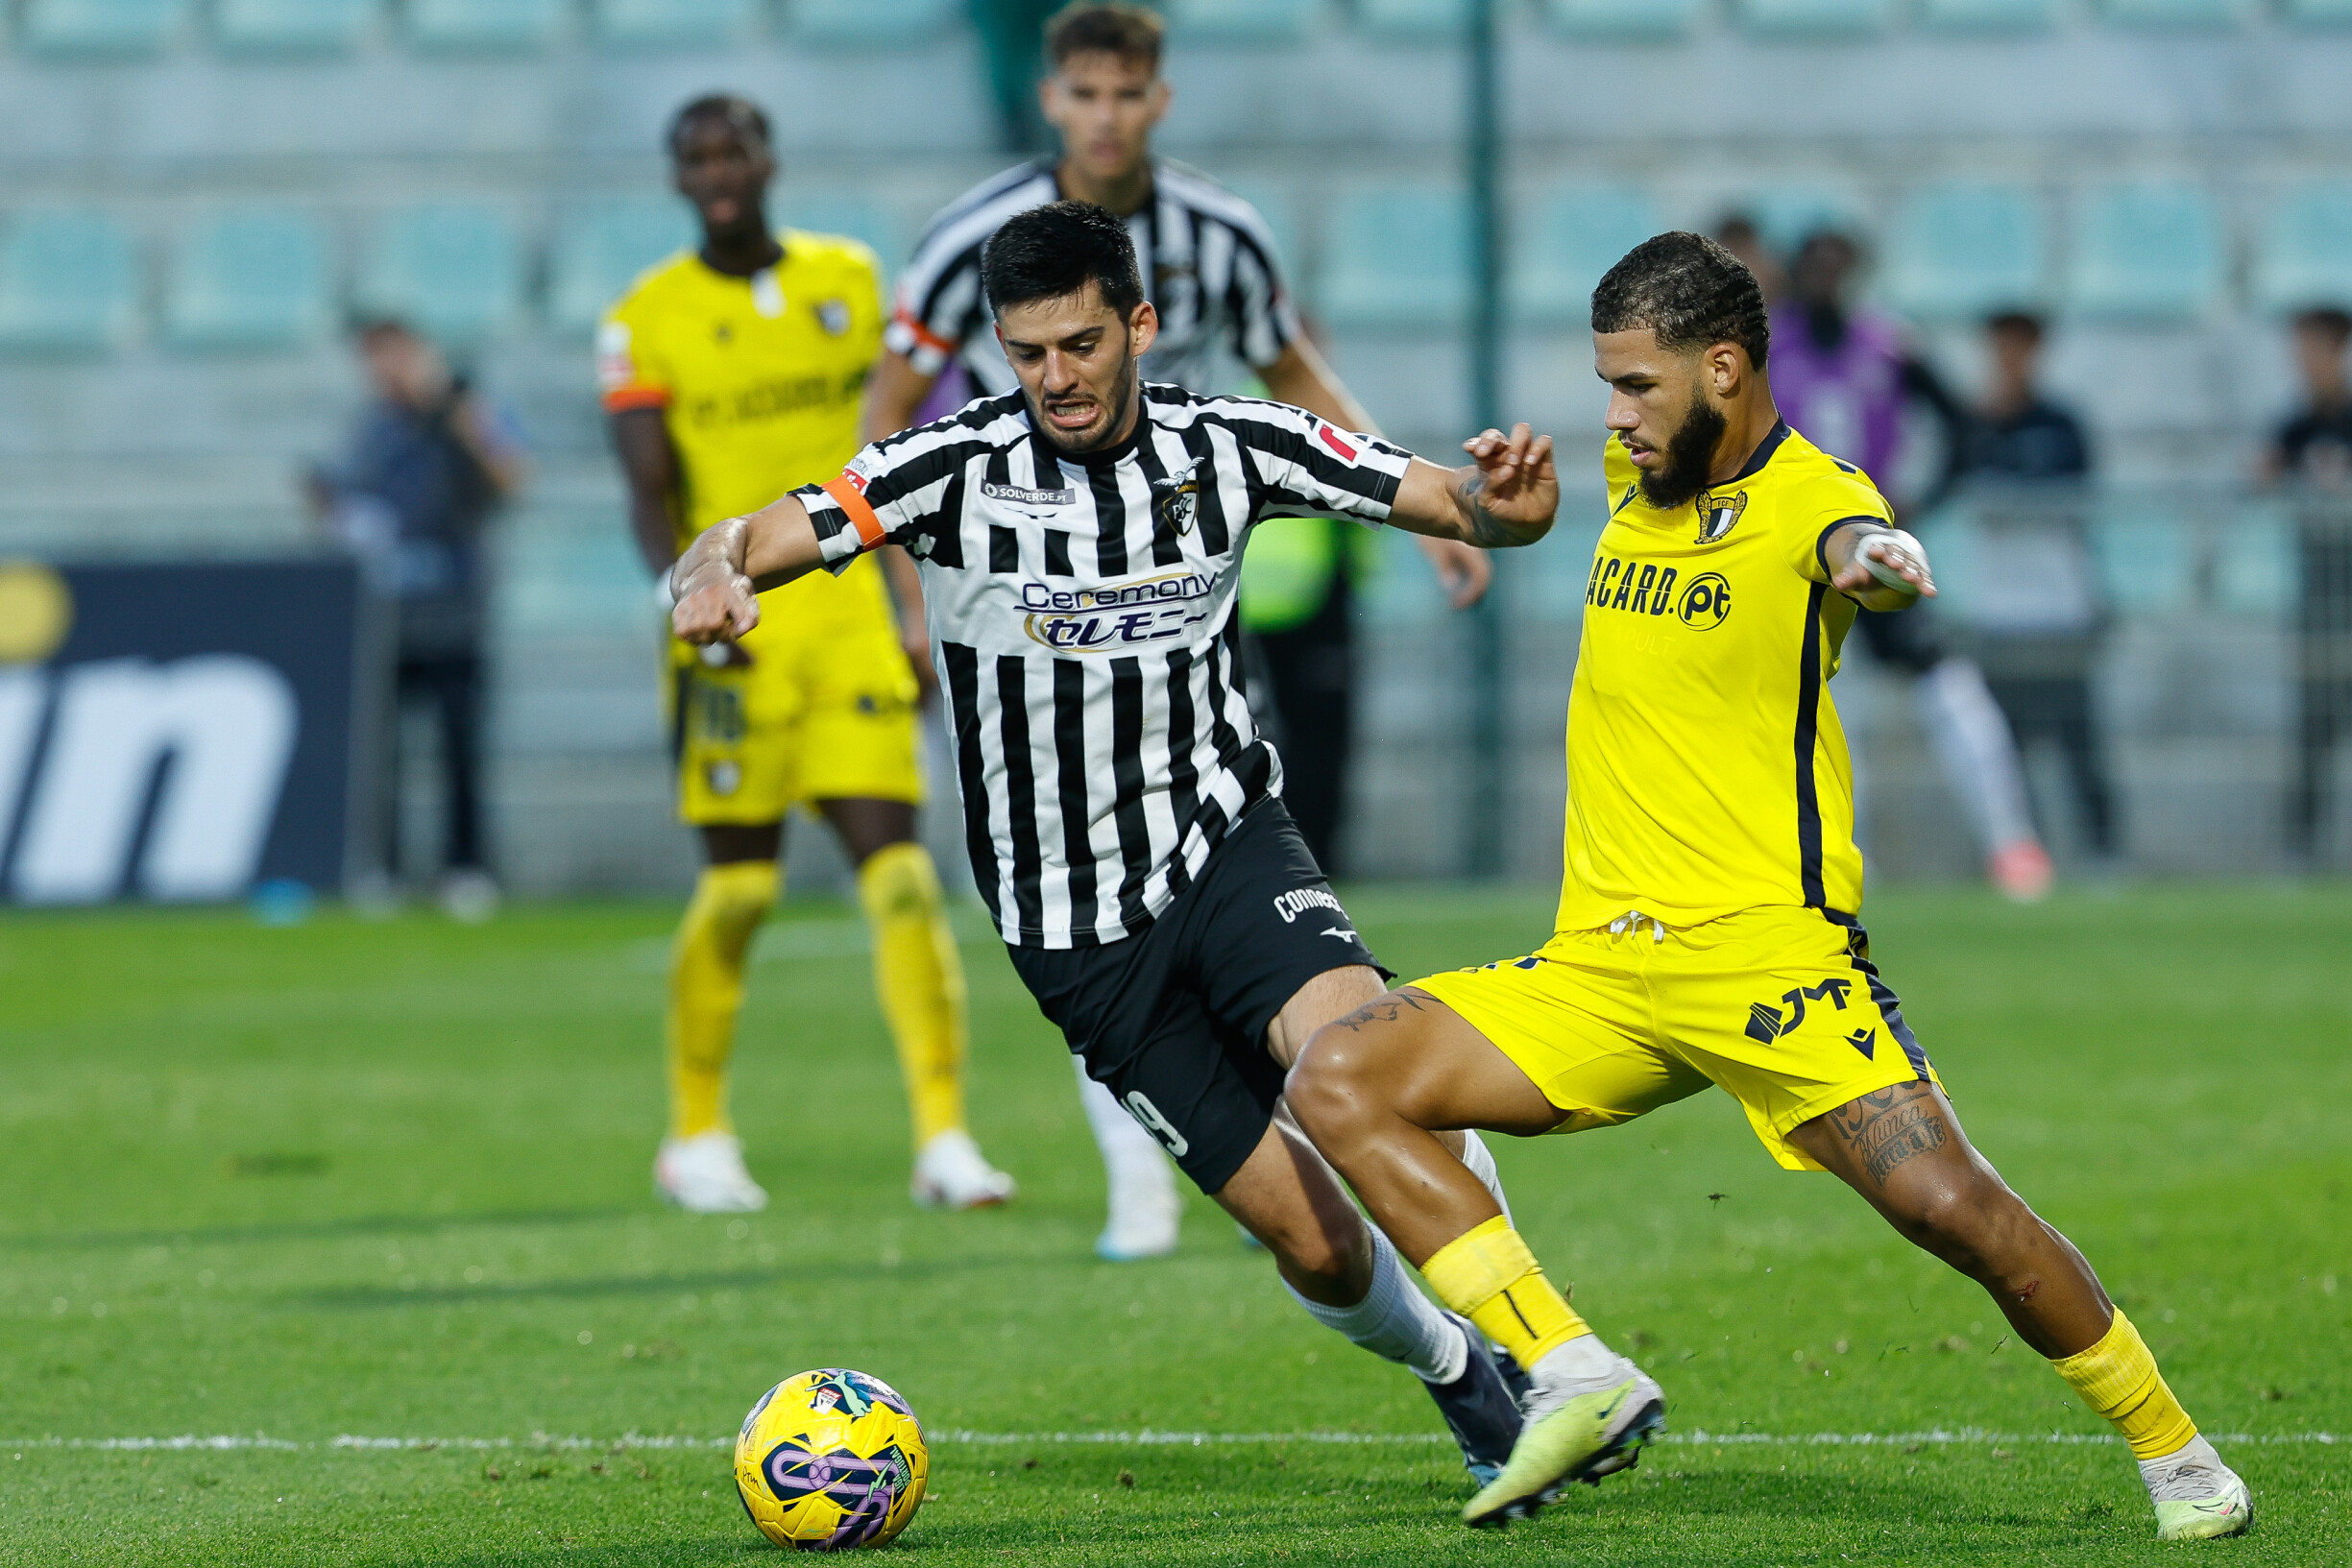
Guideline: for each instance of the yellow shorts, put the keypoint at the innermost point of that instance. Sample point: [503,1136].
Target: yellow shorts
[825,711]
[1780,1006]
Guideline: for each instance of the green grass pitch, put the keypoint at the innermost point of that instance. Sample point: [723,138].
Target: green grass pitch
[389,1182]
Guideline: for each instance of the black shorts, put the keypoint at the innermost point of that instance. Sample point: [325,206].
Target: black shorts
[1174,1021]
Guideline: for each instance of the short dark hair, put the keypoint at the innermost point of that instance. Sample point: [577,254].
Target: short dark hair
[2024,323]
[745,115]
[1051,252]
[2330,319]
[1687,289]
[1089,28]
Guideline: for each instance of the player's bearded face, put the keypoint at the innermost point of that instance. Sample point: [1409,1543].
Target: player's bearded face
[1690,453]
[1078,364]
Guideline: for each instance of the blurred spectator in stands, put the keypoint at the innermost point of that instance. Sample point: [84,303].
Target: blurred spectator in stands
[2312,449]
[1844,377]
[1297,611]
[428,462]
[1737,232]
[2037,612]
[1012,45]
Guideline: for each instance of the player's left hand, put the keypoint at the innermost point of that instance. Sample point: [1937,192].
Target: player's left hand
[1522,486]
[1464,571]
[1890,559]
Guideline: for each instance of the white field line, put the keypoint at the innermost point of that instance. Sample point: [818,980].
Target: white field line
[1936,1436]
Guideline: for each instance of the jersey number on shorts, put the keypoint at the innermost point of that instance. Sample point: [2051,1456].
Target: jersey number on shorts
[1141,1108]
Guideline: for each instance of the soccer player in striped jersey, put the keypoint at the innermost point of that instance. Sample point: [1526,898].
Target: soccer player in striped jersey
[1078,538]
[1707,929]
[1217,289]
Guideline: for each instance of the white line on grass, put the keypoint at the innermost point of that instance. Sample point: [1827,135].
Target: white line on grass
[1937,1435]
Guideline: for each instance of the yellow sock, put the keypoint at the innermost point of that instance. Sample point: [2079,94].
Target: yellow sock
[2118,1377]
[1490,1277]
[706,988]
[918,976]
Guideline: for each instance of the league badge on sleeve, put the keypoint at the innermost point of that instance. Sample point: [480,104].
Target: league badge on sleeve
[1718,515]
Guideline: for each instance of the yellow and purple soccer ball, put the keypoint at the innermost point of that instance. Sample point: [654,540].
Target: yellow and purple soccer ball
[831,1460]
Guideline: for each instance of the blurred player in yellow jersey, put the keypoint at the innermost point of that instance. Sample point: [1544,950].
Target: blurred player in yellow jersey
[731,376]
[1708,930]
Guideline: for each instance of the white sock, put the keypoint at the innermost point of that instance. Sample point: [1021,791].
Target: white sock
[2162,1476]
[1131,1155]
[1479,1160]
[1395,1322]
[1973,741]
[1583,1362]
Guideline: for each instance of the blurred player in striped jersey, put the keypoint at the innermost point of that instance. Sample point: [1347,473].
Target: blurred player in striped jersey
[1210,270]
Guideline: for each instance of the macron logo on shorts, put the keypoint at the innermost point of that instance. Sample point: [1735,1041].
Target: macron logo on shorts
[1292,904]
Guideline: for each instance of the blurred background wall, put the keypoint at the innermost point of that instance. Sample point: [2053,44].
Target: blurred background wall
[194,198]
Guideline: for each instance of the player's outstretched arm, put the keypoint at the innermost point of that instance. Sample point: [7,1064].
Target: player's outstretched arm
[1505,495]
[1876,566]
[717,582]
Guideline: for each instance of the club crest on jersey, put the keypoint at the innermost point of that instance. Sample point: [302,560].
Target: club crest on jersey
[1175,500]
[833,315]
[1718,515]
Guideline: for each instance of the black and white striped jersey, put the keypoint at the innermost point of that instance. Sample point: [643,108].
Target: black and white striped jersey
[1081,620]
[1208,266]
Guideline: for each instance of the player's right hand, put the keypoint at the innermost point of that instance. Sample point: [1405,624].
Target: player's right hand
[715,608]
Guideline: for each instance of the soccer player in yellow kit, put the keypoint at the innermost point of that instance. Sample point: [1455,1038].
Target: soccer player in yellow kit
[1707,929]
[730,375]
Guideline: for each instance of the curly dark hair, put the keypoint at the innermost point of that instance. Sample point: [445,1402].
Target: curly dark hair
[1051,252]
[1687,289]
[745,115]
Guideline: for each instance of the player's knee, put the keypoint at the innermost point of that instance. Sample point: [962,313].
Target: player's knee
[1326,1089]
[1970,1225]
[898,882]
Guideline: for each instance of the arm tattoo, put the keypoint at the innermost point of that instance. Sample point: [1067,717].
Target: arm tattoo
[1488,531]
[1387,1009]
[1884,1130]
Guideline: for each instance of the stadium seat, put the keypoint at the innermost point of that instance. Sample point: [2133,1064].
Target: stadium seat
[1959,251]
[2147,251]
[2179,12]
[1786,214]
[842,213]
[1566,240]
[2319,12]
[1988,15]
[68,283]
[1412,18]
[1630,20]
[257,278]
[2306,255]
[663,22]
[451,271]
[485,26]
[291,27]
[866,23]
[1815,19]
[101,27]
[1241,21]
[1398,256]
[601,249]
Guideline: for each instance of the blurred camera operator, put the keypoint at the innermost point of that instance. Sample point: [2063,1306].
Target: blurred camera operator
[2312,449]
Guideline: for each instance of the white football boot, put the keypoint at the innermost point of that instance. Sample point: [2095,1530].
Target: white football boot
[951,1173]
[1145,1212]
[705,1174]
[2196,1496]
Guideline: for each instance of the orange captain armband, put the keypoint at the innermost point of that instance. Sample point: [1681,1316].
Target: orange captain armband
[844,491]
[921,333]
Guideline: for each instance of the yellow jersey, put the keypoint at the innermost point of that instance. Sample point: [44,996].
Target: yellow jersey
[1706,771]
[759,378]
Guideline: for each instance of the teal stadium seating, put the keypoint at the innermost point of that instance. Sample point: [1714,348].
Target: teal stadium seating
[1960,250]
[1241,21]
[291,27]
[2147,252]
[2179,12]
[599,249]
[486,26]
[660,23]
[1630,20]
[2306,253]
[2318,12]
[69,283]
[1413,19]
[1988,15]
[250,277]
[1815,19]
[869,23]
[451,270]
[101,27]
[1564,241]
[1397,256]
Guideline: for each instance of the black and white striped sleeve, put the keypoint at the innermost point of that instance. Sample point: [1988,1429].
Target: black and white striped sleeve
[1305,466]
[1264,320]
[892,493]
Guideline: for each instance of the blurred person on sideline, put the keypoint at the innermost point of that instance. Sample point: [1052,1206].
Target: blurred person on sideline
[1010,34]
[1740,234]
[2026,460]
[1210,272]
[1845,377]
[1298,614]
[730,373]
[2312,450]
[427,464]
